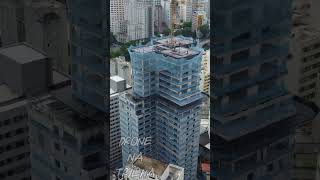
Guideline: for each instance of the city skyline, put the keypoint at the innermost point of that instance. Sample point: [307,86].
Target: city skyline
[159,89]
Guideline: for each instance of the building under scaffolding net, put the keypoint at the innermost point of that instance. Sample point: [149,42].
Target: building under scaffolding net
[166,95]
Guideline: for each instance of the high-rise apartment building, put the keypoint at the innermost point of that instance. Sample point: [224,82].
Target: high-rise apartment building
[12,27]
[18,80]
[118,86]
[157,2]
[188,10]
[68,127]
[251,107]
[139,17]
[119,66]
[47,28]
[165,102]
[166,7]
[199,5]
[205,73]
[67,139]
[89,48]
[304,64]
[199,19]
[303,81]
[158,18]
[117,23]
[307,141]
[176,12]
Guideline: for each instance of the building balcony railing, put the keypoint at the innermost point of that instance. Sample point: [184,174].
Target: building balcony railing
[182,102]
[91,28]
[176,89]
[225,32]
[229,5]
[96,46]
[267,56]
[176,95]
[96,100]
[176,82]
[92,63]
[94,170]
[250,101]
[247,82]
[87,9]
[219,48]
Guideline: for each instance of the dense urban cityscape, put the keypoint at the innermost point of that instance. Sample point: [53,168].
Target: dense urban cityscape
[159,89]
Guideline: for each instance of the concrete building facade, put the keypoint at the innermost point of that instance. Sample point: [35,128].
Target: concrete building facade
[17,83]
[118,86]
[66,143]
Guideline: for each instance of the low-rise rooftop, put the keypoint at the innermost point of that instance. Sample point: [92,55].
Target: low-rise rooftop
[149,164]
[22,53]
[175,47]
[68,110]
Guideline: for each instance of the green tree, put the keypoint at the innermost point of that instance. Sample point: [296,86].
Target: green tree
[115,54]
[187,24]
[205,30]
[113,39]
[167,32]
[187,31]
[157,34]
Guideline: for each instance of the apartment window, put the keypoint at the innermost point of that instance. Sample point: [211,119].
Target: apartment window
[217,60]
[238,95]
[7,122]
[58,165]
[270,167]
[241,37]
[19,131]
[241,55]
[20,144]
[41,140]
[280,164]
[21,156]
[241,17]
[250,176]
[309,96]
[308,87]
[57,146]
[240,76]
[56,130]
[308,78]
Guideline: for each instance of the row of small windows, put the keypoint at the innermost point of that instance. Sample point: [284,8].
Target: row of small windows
[311,47]
[17,170]
[270,168]
[15,119]
[13,145]
[307,87]
[310,67]
[10,160]
[13,133]
[311,57]
[308,78]
[309,96]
